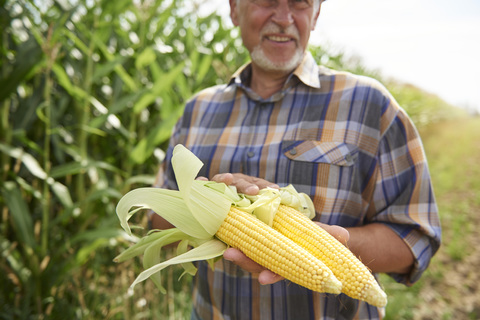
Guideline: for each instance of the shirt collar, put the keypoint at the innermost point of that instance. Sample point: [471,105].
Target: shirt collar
[307,72]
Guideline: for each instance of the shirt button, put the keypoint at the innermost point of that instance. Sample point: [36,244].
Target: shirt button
[250,154]
[349,158]
[293,151]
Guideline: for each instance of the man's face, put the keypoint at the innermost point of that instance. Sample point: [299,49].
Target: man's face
[275,32]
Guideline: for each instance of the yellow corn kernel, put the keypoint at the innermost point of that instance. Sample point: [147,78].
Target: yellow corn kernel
[276,252]
[358,282]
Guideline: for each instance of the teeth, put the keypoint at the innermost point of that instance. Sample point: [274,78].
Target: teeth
[279,39]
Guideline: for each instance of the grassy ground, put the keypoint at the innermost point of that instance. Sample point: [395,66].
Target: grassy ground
[450,289]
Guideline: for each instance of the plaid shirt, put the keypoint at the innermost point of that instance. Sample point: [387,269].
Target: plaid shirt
[338,137]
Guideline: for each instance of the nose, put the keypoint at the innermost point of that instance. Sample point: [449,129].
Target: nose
[282,14]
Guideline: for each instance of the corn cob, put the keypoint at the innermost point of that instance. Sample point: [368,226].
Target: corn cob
[358,282]
[276,252]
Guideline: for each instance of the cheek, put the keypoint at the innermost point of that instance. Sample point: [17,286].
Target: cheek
[251,30]
[305,28]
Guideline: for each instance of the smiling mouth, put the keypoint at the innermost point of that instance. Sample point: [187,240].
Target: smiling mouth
[279,38]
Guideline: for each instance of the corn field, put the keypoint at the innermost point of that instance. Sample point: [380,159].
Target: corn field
[89,93]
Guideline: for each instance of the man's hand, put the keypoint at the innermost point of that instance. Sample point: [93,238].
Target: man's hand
[244,184]
[266,276]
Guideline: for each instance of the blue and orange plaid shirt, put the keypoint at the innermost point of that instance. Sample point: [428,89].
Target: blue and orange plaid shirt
[340,138]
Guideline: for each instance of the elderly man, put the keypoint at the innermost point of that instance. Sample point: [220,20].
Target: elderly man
[338,137]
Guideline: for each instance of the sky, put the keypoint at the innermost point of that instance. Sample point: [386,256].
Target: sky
[432,44]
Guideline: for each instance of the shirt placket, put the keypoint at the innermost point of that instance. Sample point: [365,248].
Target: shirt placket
[253,138]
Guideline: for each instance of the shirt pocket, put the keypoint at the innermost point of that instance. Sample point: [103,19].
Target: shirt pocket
[335,153]
[329,173]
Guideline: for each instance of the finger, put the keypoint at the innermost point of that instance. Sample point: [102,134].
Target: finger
[268,277]
[340,233]
[239,181]
[226,178]
[244,184]
[260,183]
[240,259]
[246,187]
[251,185]
[202,178]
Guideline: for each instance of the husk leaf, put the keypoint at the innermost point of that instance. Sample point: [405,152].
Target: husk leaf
[208,250]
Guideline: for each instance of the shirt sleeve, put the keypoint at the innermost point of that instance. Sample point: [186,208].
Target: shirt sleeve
[165,176]
[403,198]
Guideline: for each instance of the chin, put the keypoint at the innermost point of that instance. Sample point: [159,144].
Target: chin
[259,57]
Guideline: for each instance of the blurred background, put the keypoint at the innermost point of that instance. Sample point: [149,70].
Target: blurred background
[90,90]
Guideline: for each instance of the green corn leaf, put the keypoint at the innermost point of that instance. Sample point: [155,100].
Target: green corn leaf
[299,201]
[27,159]
[80,167]
[89,249]
[143,179]
[264,205]
[152,255]
[204,67]
[167,203]
[208,250]
[62,193]
[139,248]
[145,58]
[92,235]
[119,69]
[157,136]
[10,254]
[19,213]
[164,83]
[188,267]
[28,57]
[208,207]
